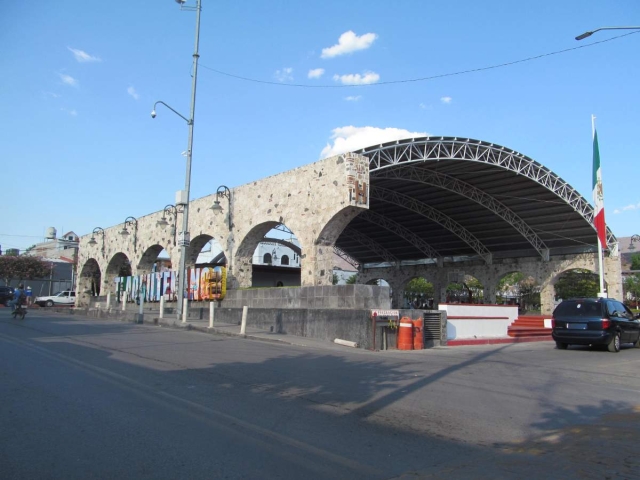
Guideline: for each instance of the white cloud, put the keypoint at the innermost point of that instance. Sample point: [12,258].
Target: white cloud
[68,80]
[349,42]
[132,91]
[350,139]
[357,79]
[51,94]
[446,100]
[284,75]
[353,98]
[73,113]
[631,207]
[316,73]
[616,211]
[82,56]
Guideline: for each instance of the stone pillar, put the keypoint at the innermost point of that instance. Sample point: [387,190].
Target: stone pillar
[547,296]
[317,265]
[613,277]
[242,275]
[490,294]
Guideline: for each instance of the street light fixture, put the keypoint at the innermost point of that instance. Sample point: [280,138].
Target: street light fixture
[588,34]
[170,211]
[634,238]
[131,222]
[92,240]
[223,191]
[184,239]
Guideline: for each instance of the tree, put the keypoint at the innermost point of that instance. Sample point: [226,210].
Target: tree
[577,283]
[632,288]
[635,261]
[23,268]
[334,279]
[352,279]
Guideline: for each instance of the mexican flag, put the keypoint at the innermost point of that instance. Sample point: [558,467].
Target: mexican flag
[598,194]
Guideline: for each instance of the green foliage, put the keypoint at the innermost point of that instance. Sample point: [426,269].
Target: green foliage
[635,261]
[334,279]
[22,268]
[632,287]
[577,283]
[419,286]
[352,279]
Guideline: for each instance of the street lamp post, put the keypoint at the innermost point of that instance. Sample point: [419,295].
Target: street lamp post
[634,238]
[184,239]
[223,191]
[92,240]
[170,211]
[131,222]
[591,32]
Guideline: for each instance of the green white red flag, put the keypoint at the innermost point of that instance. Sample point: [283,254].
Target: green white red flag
[598,194]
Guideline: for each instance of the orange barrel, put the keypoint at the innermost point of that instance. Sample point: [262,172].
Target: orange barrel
[405,334]
[418,334]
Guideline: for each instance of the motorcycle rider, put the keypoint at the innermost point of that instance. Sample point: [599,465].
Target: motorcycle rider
[19,297]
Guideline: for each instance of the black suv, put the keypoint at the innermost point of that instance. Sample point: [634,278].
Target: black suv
[595,321]
[6,294]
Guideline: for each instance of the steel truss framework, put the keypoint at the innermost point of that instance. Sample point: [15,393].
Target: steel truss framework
[453,148]
[405,201]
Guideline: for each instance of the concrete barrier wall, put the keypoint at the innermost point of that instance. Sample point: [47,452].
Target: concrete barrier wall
[478,321]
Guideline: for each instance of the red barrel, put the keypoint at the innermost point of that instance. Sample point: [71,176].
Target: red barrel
[405,334]
[418,334]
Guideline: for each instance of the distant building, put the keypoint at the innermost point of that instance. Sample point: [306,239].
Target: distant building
[64,248]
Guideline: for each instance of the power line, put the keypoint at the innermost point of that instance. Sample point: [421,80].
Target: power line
[422,79]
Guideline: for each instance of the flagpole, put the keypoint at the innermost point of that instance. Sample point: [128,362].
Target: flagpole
[602,293]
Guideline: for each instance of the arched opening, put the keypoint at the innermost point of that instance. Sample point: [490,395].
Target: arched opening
[517,288]
[119,267]
[90,279]
[464,289]
[275,259]
[576,283]
[418,293]
[152,259]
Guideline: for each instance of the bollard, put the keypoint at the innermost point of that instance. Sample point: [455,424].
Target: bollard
[185,305]
[162,306]
[243,325]
[124,302]
[212,310]
[108,301]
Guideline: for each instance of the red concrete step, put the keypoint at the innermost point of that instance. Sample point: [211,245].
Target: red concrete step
[529,326]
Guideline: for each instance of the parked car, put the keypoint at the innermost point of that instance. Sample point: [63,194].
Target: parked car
[595,321]
[62,298]
[6,294]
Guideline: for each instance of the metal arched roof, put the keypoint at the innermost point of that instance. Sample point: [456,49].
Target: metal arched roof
[436,199]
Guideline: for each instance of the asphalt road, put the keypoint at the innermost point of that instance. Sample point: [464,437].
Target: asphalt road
[102,399]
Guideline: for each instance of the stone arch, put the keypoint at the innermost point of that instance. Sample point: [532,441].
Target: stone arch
[89,281]
[117,264]
[148,258]
[555,278]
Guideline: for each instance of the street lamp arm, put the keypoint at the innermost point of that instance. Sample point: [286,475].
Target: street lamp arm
[591,32]
[153,112]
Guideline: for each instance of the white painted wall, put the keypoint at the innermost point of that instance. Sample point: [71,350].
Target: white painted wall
[478,321]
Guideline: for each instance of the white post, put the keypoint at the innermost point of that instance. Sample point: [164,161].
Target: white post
[124,301]
[243,325]
[141,297]
[162,306]
[108,301]
[212,310]
[185,305]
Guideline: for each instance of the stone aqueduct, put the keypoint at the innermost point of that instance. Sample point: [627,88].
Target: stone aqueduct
[477,208]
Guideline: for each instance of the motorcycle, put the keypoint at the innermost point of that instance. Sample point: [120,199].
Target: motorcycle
[20,311]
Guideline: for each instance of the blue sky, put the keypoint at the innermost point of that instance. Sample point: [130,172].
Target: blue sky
[79,81]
